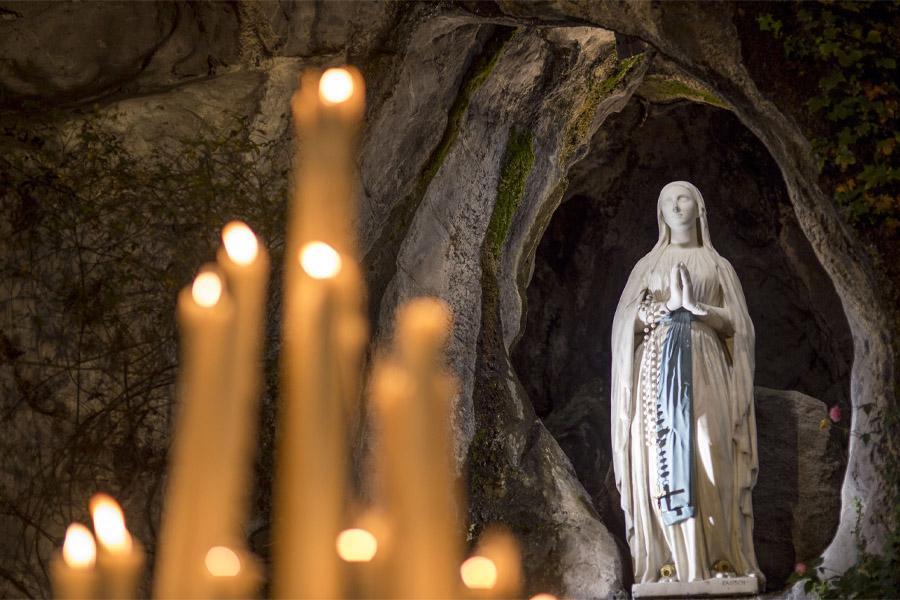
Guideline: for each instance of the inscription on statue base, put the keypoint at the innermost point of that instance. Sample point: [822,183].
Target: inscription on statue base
[707,588]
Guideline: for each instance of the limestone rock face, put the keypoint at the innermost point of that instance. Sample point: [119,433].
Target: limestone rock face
[67,51]
[796,501]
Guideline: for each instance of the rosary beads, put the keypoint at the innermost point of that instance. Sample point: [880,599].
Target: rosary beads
[650,313]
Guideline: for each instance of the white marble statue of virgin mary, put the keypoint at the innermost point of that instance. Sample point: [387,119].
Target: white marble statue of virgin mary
[683,421]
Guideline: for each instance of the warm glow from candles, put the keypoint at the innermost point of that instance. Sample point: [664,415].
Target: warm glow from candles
[240,243]
[320,260]
[222,562]
[356,545]
[109,523]
[207,289]
[479,573]
[425,319]
[79,550]
[335,86]
[543,596]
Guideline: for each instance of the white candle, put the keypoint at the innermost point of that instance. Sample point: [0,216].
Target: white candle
[120,559]
[72,572]
[311,469]
[194,511]
[479,573]
[231,573]
[497,546]
[245,263]
[411,395]
[423,328]
[323,338]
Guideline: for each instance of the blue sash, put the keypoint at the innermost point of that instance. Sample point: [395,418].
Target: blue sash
[674,424]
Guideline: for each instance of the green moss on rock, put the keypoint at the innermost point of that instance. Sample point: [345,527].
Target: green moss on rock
[662,89]
[518,159]
[612,73]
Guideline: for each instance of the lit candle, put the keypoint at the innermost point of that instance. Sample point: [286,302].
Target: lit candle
[411,395]
[72,572]
[231,573]
[423,327]
[121,558]
[497,546]
[194,511]
[363,548]
[311,475]
[323,339]
[479,573]
[245,263]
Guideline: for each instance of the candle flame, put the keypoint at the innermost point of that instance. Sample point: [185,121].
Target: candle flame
[207,289]
[335,86]
[356,545]
[320,260]
[222,562]
[109,523]
[79,550]
[543,596]
[479,573]
[240,243]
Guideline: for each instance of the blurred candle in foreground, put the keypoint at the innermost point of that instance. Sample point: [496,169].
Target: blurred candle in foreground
[335,86]
[479,573]
[72,571]
[363,548]
[194,511]
[411,396]
[324,334]
[120,558]
[543,596]
[499,546]
[231,573]
[245,262]
[356,545]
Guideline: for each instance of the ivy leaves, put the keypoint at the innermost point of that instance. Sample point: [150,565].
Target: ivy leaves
[853,114]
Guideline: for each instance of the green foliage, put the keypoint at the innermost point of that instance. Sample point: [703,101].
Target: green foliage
[96,242]
[851,48]
[517,162]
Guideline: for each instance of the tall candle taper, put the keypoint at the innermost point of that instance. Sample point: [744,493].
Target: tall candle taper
[411,395]
[193,509]
[246,265]
[422,330]
[322,341]
[72,571]
[120,559]
[495,570]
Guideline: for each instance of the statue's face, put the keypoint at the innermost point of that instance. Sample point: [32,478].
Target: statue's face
[679,208]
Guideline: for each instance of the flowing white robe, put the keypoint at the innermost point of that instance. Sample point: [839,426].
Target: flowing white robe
[724,423]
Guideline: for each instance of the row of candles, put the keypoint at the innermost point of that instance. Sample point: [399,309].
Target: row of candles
[407,543]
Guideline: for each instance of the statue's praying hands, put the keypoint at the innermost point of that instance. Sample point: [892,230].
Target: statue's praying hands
[681,294]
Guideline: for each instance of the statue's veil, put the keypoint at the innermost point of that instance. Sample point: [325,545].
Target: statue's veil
[741,385]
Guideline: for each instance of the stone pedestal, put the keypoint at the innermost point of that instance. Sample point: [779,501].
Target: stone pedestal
[707,588]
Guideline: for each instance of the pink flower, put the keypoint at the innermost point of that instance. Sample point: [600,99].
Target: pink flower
[835,413]
[800,568]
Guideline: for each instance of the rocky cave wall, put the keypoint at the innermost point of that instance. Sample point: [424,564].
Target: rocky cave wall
[476,114]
